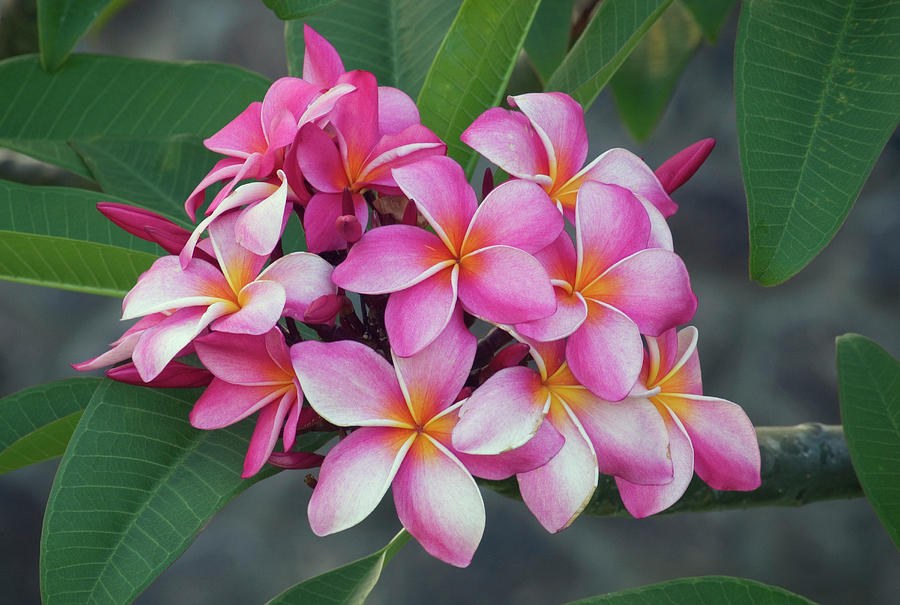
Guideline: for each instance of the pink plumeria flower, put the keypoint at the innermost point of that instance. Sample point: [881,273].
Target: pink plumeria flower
[478,254]
[706,434]
[518,403]
[233,297]
[547,143]
[252,374]
[610,289]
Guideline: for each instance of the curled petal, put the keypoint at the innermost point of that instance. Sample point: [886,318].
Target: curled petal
[395,150]
[268,425]
[508,139]
[679,368]
[261,303]
[259,227]
[284,103]
[242,136]
[224,169]
[239,265]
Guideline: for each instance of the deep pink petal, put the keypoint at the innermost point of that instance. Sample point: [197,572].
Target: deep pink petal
[176,375]
[261,305]
[411,145]
[623,168]
[265,435]
[241,358]
[508,139]
[223,404]
[226,168]
[355,118]
[537,452]
[559,121]
[166,286]
[242,136]
[284,103]
[304,277]
[396,110]
[439,503]
[143,223]
[320,218]
[319,160]
[321,63]
[675,171]
[571,311]
[415,316]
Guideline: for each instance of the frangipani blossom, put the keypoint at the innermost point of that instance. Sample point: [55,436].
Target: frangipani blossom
[479,254]
[706,434]
[233,297]
[610,289]
[517,403]
[252,373]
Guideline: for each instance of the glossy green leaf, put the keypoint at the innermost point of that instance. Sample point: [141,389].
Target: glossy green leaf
[115,96]
[710,15]
[297,9]
[133,490]
[61,23]
[818,95]
[347,585]
[709,590]
[644,84]
[158,173]
[609,38]
[36,423]
[869,385]
[472,69]
[548,39]
[394,39]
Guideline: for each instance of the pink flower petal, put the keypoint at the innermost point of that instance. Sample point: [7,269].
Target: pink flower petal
[304,277]
[680,370]
[559,121]
[261,305]
[355,118]
[176,375]
[396,110]
[265,435]
[226,168]
[660,235]
[439,503]
[571,311]
[284,103]
[322,65]
[120,351]
[675,171]
[319,160]
[242,136]
[259,227]
[548,356]
[508,139]
[560,259]
[416,316]
[355,475]
[393,151]
[320,218]
[222,403]
[241,359]
[537,452]
[166,286]
[239,265]
[623,168]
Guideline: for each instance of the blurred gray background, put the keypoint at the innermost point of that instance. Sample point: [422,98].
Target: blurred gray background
[771,350]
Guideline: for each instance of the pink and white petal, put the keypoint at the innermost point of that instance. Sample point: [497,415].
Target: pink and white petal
[559,121]
[284,103]
[416,316]
[560,259]
[505,285]
[304,277]
[239,265]
[391,258]
[349,384]
[321,215]
[166,286]
[508,139]
[660,234]
[610,224]
[674,172]
[355,475]
[321,106]
[319,160]
[261,304]
[226,168]
[662,355]
[537,452]
[683,375]
[726,450]
[432,378]
[571,311]
[605,353]
[265,434]
[517,213]
[242,136]
[241,358]
[396,110]
[645,500]
[395,150]
[439,503]
[259,227]
[120,351]
[355,118]
[652,287]
[222,403]
[557,492]
[623,168]
[503,413]
[442,195]
[322,65]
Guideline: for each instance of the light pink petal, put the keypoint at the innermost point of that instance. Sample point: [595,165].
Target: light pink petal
[242,136]
[176,375]
[505,285]
[320,218]
[623,168]
[503,413]
[675,171]
[226,168]
[319,160]
[442,195]
[223,404]
[517,213]
[239,265]
[434,376]
[241,358]
[560,259]
[166,286]
[726,450]
[259,227]
[284,103]
[537,452]
[508,139]
[681,365]
[257,166]
[391,258]
[120,351]
[321,63]
[304,277]
[414,317]
[321,106]
[605,353]
[571,311]
[355,475]
[268,426]
[393,151]
[660,234]
[396,110]
[355,118]
[652,287]
[349,384]
[439,503]
[645,500]
[558,491]
[261,305]
[559,121]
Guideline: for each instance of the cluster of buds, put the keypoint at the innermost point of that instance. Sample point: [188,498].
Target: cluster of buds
[572,266]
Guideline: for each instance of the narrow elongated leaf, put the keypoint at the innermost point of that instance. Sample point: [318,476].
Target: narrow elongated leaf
[297,9]
[115,96]
[818,94]
[472,69]
[347,585]
[61,23]
[548,39]
[133,490]
[644,84]
[709,590]
[394,39]
[609,38]
[36,423]
[869,384]
[710,15]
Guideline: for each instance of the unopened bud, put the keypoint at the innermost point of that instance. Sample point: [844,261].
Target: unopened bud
[675,171]
[295,460]
[176,375]
[348,227]
[324,309]
[146,225]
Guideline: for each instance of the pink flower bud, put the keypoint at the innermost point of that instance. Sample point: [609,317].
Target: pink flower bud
[146,225]
[675,171]
[506,358]
[348,227]
[295,460]
[323,309]
[176,375]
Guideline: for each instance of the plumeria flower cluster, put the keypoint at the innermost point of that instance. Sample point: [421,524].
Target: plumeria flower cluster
[571,263]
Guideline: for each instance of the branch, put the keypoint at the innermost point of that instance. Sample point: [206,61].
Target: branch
[800,464]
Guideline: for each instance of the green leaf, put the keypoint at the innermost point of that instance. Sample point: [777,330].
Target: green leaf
[115,96]
[644,84]
[37,422]
[869,385]
[297,9]
[61,23]
[548,40]
[133,490]
[347,585]
[158,173]
[472,69]
[818,95]
[607,41]
[708,590]
[710,15]
[394,39]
